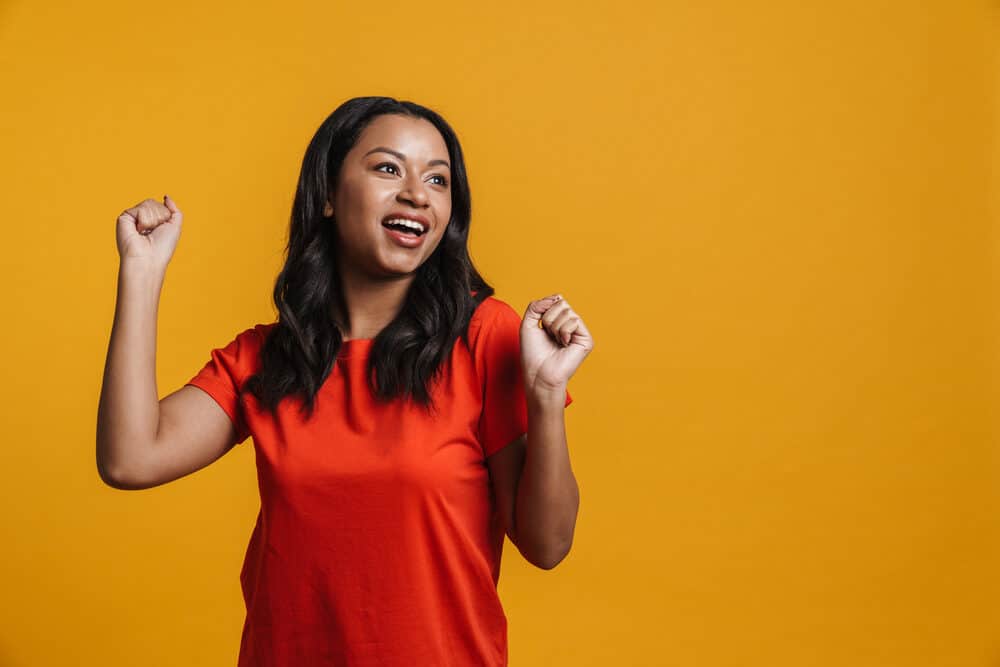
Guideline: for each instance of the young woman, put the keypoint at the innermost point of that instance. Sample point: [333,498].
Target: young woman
[404,419]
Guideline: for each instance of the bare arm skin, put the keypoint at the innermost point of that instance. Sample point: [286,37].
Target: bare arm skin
[142,441]
[534,486]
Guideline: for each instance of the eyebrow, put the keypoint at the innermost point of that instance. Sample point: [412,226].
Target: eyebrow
[383,149]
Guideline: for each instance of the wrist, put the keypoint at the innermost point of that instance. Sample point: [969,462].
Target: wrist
[139,279]
[542,393]
[141,267]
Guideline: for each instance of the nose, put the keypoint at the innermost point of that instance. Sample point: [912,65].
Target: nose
[413,191]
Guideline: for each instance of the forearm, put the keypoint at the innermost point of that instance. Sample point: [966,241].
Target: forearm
[547,496]
[128,412]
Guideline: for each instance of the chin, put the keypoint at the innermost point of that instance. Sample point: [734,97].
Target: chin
[390,269]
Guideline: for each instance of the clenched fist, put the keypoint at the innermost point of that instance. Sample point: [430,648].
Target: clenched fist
[149,231]
[554,342]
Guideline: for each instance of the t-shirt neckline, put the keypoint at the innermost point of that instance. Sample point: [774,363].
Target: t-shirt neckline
[354,347]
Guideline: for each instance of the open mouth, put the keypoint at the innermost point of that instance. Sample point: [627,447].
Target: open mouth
[404,226]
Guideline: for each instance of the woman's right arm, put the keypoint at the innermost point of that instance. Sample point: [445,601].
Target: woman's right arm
[142,441]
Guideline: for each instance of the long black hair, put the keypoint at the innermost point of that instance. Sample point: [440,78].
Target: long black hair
[408,354]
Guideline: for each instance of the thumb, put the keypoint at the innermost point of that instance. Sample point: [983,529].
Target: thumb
[538,308]
[175,213]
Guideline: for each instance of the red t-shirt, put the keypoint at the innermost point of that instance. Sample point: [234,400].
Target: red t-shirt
[378,540]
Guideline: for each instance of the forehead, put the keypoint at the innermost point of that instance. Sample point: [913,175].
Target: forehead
[416,138]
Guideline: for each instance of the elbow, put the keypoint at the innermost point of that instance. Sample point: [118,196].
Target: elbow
[117,477]
[109,477]
[113,477]
[106,468]
[122,482]
[550,563]
[551,558]
[548,551]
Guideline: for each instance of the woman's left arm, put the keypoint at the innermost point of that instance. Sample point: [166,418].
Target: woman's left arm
[554,342]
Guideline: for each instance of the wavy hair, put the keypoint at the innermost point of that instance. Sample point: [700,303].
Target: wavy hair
[408,354]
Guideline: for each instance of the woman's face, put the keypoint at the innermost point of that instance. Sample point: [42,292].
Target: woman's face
[397,169]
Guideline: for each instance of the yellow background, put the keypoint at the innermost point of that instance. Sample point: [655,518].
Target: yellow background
[775,218]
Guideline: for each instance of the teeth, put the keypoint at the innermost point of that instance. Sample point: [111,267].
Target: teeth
[406,223]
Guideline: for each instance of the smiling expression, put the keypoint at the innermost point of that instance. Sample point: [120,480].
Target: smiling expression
[398,168]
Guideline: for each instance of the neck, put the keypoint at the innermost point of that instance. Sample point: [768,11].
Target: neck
[371,304]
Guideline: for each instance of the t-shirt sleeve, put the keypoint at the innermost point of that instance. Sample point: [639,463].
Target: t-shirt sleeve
[498,361]
[225,372]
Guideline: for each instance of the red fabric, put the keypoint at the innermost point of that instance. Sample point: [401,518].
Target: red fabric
[378,541]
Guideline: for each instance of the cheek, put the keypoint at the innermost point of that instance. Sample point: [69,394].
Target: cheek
[360,198]
[444,210]
[441,233]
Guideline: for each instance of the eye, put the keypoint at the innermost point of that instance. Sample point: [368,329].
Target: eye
[378,167]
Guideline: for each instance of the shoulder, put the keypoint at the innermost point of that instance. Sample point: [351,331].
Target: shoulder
[492,308]
[242,352]
[253,336]
[261,331]
[491,313]
[494,332]
[231,363]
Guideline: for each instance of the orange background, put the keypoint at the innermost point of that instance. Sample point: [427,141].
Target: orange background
[777,221]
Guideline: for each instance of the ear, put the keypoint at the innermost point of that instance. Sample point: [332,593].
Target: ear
[328,210]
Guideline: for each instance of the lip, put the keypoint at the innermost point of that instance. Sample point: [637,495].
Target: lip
[410,216]
[405,240]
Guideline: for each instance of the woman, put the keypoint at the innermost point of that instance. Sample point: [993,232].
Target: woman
[404,419]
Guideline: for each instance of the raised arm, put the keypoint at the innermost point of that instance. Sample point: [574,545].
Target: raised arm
[143,441]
